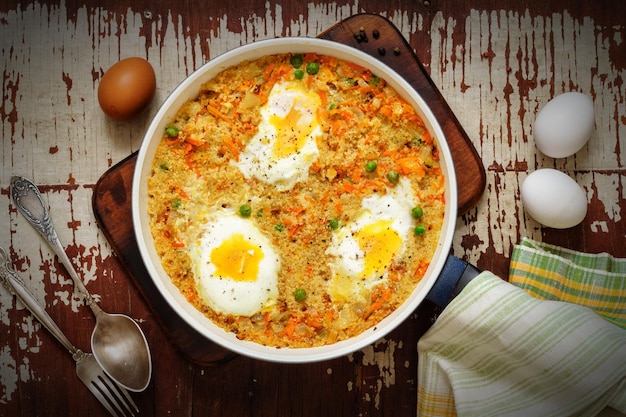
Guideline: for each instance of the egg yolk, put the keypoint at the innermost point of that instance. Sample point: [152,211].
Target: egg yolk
[237,258]
[379,242]
[293,130]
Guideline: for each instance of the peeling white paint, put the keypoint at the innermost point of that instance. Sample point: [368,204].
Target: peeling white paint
[599,226]
[8,374]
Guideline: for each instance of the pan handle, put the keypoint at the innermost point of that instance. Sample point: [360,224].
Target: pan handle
[454,276]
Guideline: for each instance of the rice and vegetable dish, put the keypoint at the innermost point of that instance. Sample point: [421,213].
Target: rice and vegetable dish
[297,201]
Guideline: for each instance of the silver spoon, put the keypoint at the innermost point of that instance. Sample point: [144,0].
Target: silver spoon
[117,342]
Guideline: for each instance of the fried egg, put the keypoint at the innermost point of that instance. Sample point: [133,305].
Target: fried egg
[363,250]
[235,266]
[285,145]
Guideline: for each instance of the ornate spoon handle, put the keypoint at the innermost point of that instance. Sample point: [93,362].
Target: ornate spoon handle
[28,200]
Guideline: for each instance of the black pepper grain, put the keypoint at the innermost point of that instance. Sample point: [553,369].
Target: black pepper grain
[381,51]
[396,51]
[376,34]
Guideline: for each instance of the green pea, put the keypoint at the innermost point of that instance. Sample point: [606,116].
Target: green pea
[370,166]
[279,227]
[298,74]
[171,131]
[296,60]
[164,167]
[299,294]
[245,210]
[375,80]
[333,224]
[417,212]
[176,203]
[393,177]
[312,68]
[419,230]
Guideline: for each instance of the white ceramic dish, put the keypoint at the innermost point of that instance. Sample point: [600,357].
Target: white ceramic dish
[189,89]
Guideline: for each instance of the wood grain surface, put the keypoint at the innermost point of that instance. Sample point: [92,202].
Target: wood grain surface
[496,64]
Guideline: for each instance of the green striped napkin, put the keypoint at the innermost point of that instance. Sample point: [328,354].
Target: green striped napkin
[550,272]
[500,350]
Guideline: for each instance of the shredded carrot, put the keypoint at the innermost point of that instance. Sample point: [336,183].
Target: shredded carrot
[329,316]
[268,71]
[293,230]
[411,165]
[193,140]
[182,192]
[313,322]
[323,97]
[349,188]
[386,111]
[215,112]
[381,297]
[230,144]
[296,209]
[290,328]
[421,268]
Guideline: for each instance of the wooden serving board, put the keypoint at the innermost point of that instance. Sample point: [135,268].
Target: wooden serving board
[112,194]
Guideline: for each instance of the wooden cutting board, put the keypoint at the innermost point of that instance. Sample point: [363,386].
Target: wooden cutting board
[112,194]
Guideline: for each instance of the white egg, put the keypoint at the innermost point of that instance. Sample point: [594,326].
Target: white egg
[362,251]
[553,199]
[235,266]
[285,145]
[564,125]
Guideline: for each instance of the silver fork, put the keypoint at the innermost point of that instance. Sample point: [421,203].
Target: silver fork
[114,397]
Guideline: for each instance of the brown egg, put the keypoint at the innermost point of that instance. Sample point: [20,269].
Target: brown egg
[127,88]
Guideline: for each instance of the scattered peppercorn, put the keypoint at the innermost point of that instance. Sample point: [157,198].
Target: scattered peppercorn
[360,36]
[381,51]
[396,51]
[376,34]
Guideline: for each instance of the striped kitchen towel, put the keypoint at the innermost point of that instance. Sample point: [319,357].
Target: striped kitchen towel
[550,272]
[498,350]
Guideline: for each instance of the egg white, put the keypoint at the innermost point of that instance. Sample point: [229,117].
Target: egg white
[227,294]
[389,215]
[271,155]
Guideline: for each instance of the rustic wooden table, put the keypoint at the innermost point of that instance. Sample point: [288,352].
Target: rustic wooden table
[494,66]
